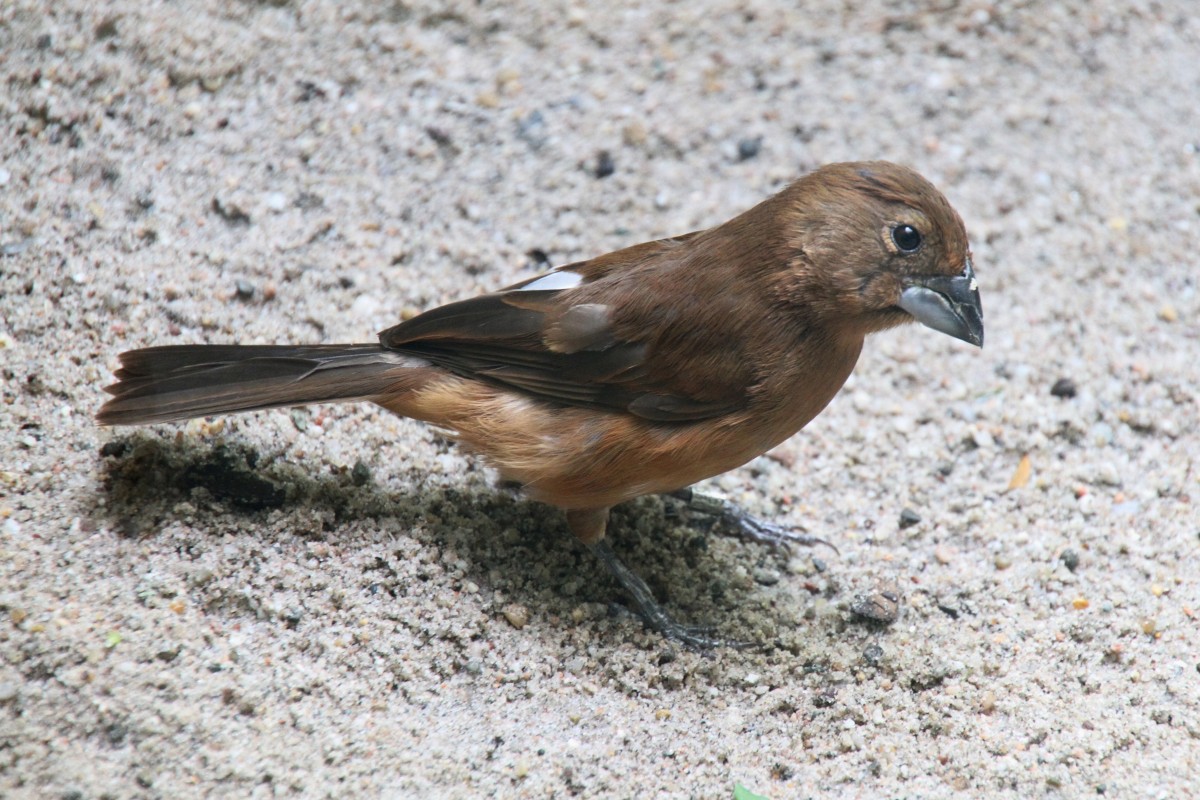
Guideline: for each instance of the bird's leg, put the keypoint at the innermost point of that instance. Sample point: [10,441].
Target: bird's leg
[737,521]
[584,524]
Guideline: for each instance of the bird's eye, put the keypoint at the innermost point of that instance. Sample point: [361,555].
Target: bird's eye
[907,238]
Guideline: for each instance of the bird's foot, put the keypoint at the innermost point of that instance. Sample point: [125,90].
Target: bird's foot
[746,526]
[654,615]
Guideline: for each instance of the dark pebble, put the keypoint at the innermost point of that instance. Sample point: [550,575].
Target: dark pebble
[605,165]
[44,41]
[245,289]
[116,732]
[292,616]
[819,564]
[1064,388]
[948,610]
[169,653]
[944,468]
[230,212]
[873,654]
[114,449]
[1070,559]
[360,474]
[308,200]
[749,148]
[539,257]
[309,91]
[908,518]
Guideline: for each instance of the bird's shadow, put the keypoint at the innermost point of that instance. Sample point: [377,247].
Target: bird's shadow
[147,476]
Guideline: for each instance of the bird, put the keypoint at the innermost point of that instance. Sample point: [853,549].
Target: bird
[642,371]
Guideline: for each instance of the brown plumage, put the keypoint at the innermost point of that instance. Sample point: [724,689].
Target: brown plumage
[640,371]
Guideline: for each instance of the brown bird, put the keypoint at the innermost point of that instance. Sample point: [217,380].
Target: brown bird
[641,371]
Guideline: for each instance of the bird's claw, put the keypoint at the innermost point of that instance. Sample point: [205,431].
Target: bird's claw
[747,526]
[695,637]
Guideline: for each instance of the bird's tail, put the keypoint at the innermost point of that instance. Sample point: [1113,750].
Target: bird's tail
[164,384]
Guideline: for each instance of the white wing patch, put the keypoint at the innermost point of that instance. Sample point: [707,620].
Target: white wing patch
[559,279]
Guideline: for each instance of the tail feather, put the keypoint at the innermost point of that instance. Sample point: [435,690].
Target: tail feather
[165,384]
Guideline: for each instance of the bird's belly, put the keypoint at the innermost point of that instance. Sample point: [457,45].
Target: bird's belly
[575,457]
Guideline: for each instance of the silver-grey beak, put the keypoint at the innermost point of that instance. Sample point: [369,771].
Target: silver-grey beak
[949,305]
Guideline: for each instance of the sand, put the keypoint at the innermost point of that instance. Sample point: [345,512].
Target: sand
[331,602]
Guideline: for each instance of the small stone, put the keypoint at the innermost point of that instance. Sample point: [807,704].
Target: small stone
[1070,559]
[168,652]
[908,518]
[634,134]
[873,654]
[5,176]
[877,607]
[360,475]
[1149,626]
[982,439]
[1002,561]
[276,201]
[1080,603]
[516,614]
[8,692]
[765,577]
[1064,388]
[819,564]
[943,554]
[245,289]
[1168,313]
[987,703]
[749,147]
[605,165]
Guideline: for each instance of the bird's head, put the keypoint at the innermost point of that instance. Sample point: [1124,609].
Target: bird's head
[879,246]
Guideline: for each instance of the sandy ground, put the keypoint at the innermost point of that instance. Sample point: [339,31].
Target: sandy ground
[335,603]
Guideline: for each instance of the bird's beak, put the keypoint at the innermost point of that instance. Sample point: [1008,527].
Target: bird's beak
[949,305]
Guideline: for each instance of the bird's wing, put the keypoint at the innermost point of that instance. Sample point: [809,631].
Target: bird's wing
[576,336]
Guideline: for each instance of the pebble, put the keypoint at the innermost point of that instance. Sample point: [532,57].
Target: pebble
[245,289]
[605,165]
[1064,388]
[365,306]
[1070,559]
[749,148]
[873,654]
[5,176]
[516,614]
[983,439]
[765,577]
[276,201]
[8,692]
[908,518]
[877,607]
[943,554]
